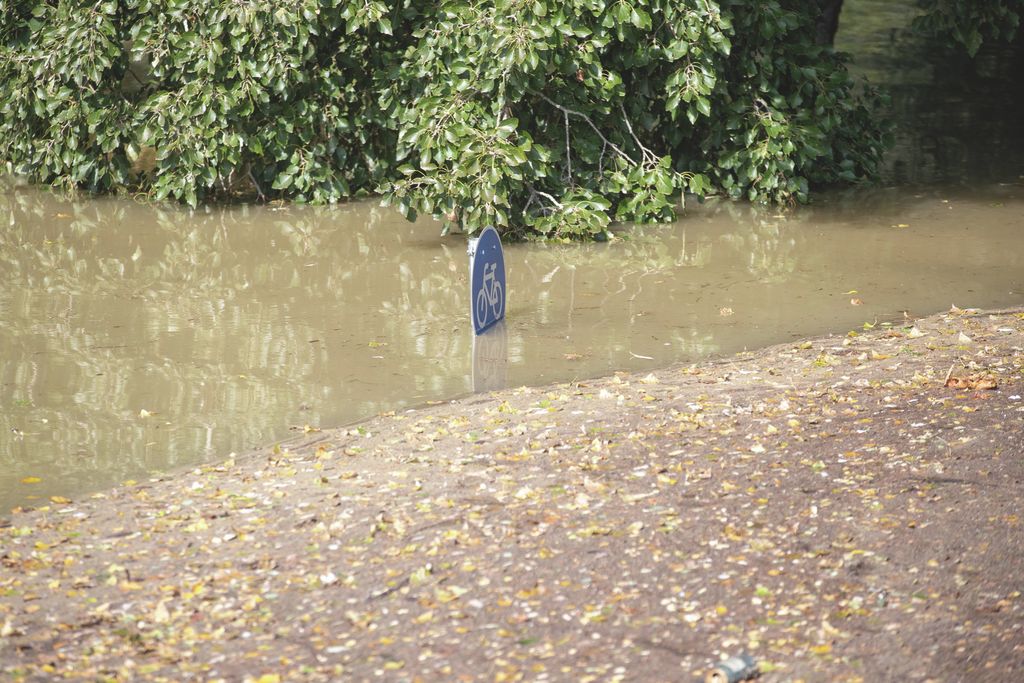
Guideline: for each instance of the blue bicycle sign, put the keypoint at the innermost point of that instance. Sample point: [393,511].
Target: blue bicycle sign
[487,285]
[490,299]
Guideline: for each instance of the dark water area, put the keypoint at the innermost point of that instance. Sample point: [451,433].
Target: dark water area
[957,120]
[139,338]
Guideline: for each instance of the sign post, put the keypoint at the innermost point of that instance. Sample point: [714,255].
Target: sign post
[487,280]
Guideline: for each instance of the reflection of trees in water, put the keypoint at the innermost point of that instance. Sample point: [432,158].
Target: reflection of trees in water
[660,286]
[963,125]
[693,343]
[957,119]
[219,321]
[226,321]
[769,240]
[766,238]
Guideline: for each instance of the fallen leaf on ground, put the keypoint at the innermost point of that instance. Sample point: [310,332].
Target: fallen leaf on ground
[973,382]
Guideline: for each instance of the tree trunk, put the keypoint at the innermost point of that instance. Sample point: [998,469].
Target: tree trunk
[828,21]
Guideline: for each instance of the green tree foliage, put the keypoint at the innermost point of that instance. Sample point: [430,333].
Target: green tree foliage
[540,117]
[191,98]
[971,22]
[563,116]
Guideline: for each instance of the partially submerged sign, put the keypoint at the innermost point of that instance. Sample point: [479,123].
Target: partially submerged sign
[487,280]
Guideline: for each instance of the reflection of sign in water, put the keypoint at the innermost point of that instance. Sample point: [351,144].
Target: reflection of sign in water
[487,282]
[490,359]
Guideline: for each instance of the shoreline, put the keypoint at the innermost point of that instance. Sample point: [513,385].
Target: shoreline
[842,508]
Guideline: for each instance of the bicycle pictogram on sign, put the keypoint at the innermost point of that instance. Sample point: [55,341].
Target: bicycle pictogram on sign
[487,285]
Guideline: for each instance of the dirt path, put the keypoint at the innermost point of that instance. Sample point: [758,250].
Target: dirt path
[832,508]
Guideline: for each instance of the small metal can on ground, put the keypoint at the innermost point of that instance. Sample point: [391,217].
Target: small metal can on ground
[733,670]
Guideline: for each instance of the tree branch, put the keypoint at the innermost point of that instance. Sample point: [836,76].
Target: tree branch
[259,190]
[565,110]
[534,193]
[649,156]
[568,152]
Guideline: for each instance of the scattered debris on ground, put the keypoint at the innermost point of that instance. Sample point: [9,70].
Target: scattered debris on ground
[841,509]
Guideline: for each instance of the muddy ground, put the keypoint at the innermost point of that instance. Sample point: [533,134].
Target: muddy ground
[847,508]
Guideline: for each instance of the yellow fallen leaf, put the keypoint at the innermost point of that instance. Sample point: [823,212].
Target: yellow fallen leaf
[60,500]
[31,480]
[449,594]
[421,575]
[821,649]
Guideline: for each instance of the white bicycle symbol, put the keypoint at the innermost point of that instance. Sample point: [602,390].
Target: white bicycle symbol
[489,296]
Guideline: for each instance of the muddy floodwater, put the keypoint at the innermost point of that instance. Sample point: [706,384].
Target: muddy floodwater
[139,338]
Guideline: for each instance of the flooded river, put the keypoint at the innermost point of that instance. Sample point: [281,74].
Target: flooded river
[140,338]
